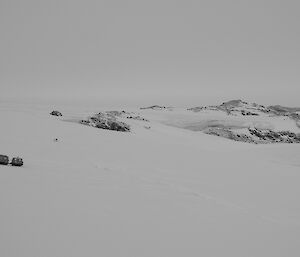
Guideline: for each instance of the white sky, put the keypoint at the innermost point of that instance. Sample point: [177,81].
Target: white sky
[148,52]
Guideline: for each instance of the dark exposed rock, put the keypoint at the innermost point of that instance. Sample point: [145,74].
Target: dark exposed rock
[106,120]
[226,133]
[56,113]
[257,136]
[275,137]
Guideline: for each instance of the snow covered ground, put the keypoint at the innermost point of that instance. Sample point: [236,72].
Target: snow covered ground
[164,191]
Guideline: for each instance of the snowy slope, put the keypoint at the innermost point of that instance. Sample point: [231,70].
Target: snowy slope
[164,191]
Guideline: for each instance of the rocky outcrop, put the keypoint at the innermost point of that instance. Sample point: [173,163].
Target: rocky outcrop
[108,120]
[270,136]
[226,133]
[56,113]
[256,136]
[112,120]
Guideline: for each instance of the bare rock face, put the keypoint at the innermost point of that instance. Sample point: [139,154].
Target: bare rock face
[112,120]
[226,133]
[270,136]
[256,136]
[56,113]
[108,121]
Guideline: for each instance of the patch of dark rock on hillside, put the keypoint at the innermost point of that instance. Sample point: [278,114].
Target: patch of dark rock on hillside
[56,113]
[226,133]
[275,137]
[107,120]
[257,136]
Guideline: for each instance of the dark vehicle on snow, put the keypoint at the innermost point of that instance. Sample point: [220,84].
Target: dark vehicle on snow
[4,160]
[17,161]
[56,113]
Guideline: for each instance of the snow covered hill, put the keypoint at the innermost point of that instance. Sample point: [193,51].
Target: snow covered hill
[158,190]
[247,122]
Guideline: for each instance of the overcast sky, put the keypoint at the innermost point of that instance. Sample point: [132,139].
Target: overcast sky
[177,52]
